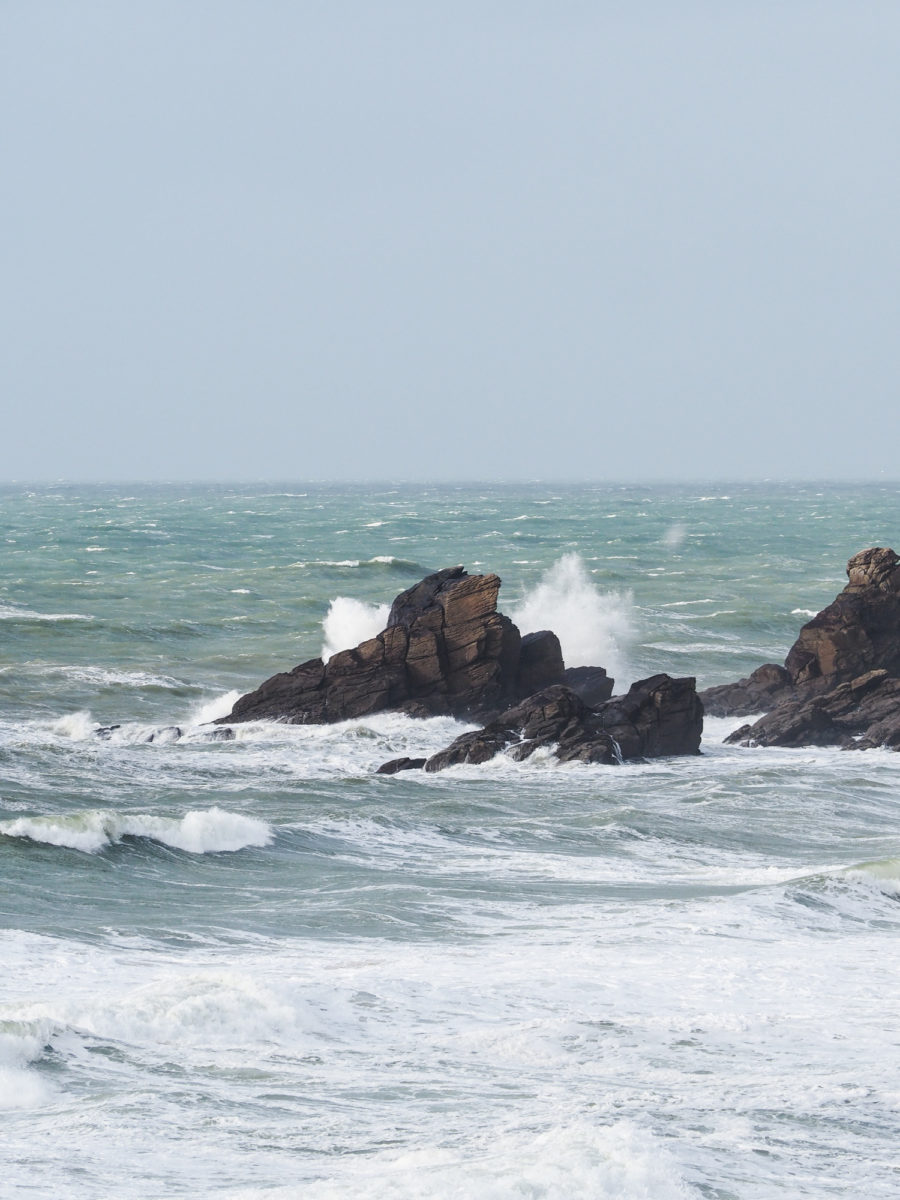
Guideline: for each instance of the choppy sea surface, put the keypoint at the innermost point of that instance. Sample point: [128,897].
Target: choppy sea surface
[253,968]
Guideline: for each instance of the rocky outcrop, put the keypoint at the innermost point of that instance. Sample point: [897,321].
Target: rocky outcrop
[591,684]
[446,651]
[857,715]
[858,632]
[760,691]
[658,716]
[840,683]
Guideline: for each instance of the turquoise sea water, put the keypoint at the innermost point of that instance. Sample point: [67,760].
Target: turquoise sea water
[253,968]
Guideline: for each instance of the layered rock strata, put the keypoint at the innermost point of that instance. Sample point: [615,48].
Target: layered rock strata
[446,651]
[859,715]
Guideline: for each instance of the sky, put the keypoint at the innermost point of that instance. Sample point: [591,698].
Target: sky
[619,240]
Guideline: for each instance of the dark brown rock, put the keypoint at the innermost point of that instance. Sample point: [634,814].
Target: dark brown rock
[446,651]
[858,631]
[400,764]
[540,662]
[839,683]
[297,696]
[659,716]
[759,692]
[862,713]
[591,684]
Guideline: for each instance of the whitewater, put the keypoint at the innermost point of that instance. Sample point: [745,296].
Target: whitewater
[244,966]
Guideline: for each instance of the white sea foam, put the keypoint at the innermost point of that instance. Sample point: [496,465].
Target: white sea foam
[9,612]
[95,676]
[349,622]
[22,1043]
[208,831]
[578,1159]
[382,560]
[212,710]
[883,874]
[78,726]
[594,628]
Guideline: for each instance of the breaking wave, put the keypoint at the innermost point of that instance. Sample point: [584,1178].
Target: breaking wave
[202,831]
[8,612]
[97,676]
[380,562]
[594,628]
[21,1044]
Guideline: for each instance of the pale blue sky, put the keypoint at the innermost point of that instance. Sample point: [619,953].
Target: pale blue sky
[408,240]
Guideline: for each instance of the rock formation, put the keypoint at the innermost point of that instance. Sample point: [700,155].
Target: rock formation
[658,716]
[446,651]
[840,683]
[856,715]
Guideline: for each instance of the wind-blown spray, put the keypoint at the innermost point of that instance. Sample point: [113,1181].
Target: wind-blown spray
[594,628]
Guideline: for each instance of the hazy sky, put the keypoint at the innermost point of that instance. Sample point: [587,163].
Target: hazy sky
[329,240]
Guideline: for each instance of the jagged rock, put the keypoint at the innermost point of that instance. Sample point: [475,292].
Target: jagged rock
[839,684]
[858,632]
[591,684]
[540,662]
[862,713]
[446,651]
[658,716]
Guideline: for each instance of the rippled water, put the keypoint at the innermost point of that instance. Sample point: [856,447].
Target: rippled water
[253,968]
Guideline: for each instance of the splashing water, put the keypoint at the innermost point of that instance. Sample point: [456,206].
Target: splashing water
[349,622]
[210,710]
[594,628]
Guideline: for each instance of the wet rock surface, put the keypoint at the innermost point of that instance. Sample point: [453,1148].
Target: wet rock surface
[658,716]
[861,714]
[840,683]
[445,651]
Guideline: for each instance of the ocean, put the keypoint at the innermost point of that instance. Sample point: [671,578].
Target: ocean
[254,969]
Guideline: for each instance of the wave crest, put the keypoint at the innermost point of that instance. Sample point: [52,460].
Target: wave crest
[201,831]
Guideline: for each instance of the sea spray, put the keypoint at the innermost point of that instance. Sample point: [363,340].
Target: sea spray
[594,628]
[211,710]
[349,622]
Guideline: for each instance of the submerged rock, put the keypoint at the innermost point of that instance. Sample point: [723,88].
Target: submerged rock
[840,683]
[658,716]
[445,651]
[168,733]
[396,765]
